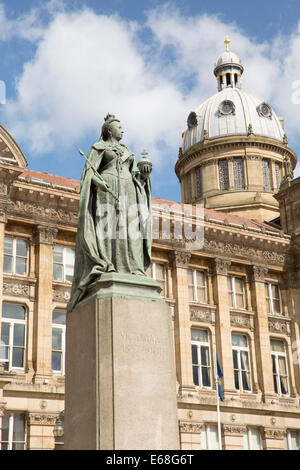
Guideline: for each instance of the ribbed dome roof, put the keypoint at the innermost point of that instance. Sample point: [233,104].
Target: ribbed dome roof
[228,57]
[230,112]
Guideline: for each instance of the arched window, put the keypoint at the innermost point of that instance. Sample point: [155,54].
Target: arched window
[223,175]
[199,181]
[239,174]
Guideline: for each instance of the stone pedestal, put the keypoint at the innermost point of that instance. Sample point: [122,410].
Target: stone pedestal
[120,371]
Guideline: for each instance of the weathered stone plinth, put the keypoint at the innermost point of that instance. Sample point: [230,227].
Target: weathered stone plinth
[120,372]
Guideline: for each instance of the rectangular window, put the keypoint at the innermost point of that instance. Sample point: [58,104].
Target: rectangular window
[15,256]
[199,181]
[197,286]
[63,263]
[58,341]
[279,367]
[158,272]
[241,362]
[236,292]
[291,440]
[13,431]
[223,175]
[252,439]
[266,175]
[239,174]
[209,437]
[273,299]
[277,175]
[13,333]
[201,361]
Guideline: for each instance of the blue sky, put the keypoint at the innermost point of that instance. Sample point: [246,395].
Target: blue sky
[67,63]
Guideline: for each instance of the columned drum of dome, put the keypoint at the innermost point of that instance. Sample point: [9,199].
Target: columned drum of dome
[236,132]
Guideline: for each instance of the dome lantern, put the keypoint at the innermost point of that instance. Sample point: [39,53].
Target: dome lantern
[228,69]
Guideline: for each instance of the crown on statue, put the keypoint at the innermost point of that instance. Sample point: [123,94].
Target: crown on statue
[110,118]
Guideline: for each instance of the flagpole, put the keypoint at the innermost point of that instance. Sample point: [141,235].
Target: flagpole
[218,401]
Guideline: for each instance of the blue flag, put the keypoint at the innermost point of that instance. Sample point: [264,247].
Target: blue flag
[219,377]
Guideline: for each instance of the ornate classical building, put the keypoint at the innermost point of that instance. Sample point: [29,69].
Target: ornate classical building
[234,287]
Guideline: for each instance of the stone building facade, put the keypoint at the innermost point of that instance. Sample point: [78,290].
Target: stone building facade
[234,285]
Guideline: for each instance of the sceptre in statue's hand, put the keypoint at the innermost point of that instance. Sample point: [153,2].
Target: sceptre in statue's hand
[145,165]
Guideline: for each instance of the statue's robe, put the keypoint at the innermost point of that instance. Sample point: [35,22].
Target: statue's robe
[101,246]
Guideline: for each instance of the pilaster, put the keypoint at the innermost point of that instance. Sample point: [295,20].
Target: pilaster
[232,436]
[40,431]
[179,261]
[223,327]
[273,439]
[44,238]
[261,332]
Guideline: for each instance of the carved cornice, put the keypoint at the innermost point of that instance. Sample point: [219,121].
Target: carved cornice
[179,259]
[220,266]
[202,314]
[190,427]
[233,429]
[39,419]
[43,212]
[44,234]
[271,433]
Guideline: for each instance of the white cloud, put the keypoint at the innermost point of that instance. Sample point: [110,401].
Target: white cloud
[87,65]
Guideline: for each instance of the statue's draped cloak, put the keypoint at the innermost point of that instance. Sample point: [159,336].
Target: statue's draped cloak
[93,256]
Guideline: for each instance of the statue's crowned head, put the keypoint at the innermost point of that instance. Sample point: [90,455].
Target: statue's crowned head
[106,130]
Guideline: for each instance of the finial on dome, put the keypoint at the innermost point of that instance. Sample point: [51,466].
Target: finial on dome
[227,42]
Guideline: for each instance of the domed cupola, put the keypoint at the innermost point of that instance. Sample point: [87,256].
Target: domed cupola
[228,69]
[234,152]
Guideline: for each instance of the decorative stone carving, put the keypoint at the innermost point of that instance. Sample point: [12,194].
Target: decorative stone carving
[279,326]
[38,419]
[61,295]
[258,273]
[234,429]
[16,288]
[179,259]
[264,110]
[271,433]
[202,314]
[190,427]
[44,234]
[36,210]
[226,108]
[240,320]
[220,266]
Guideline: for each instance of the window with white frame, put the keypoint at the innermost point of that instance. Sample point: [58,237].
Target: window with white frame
[201,357]
[273,299]
[197,286]
[236,292]
[58,341]
[63,263]
[209,437]
[252,439]
[241,362]
[13,334]
[158,272]
[280,367]
[13,431]
[15,256]
[291,440]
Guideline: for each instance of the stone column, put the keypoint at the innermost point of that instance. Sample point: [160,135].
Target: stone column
[179,263]
[231,173]
[44,237]
[273,439]
[223,326]
[232,436]
[261,332]
[40,428]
